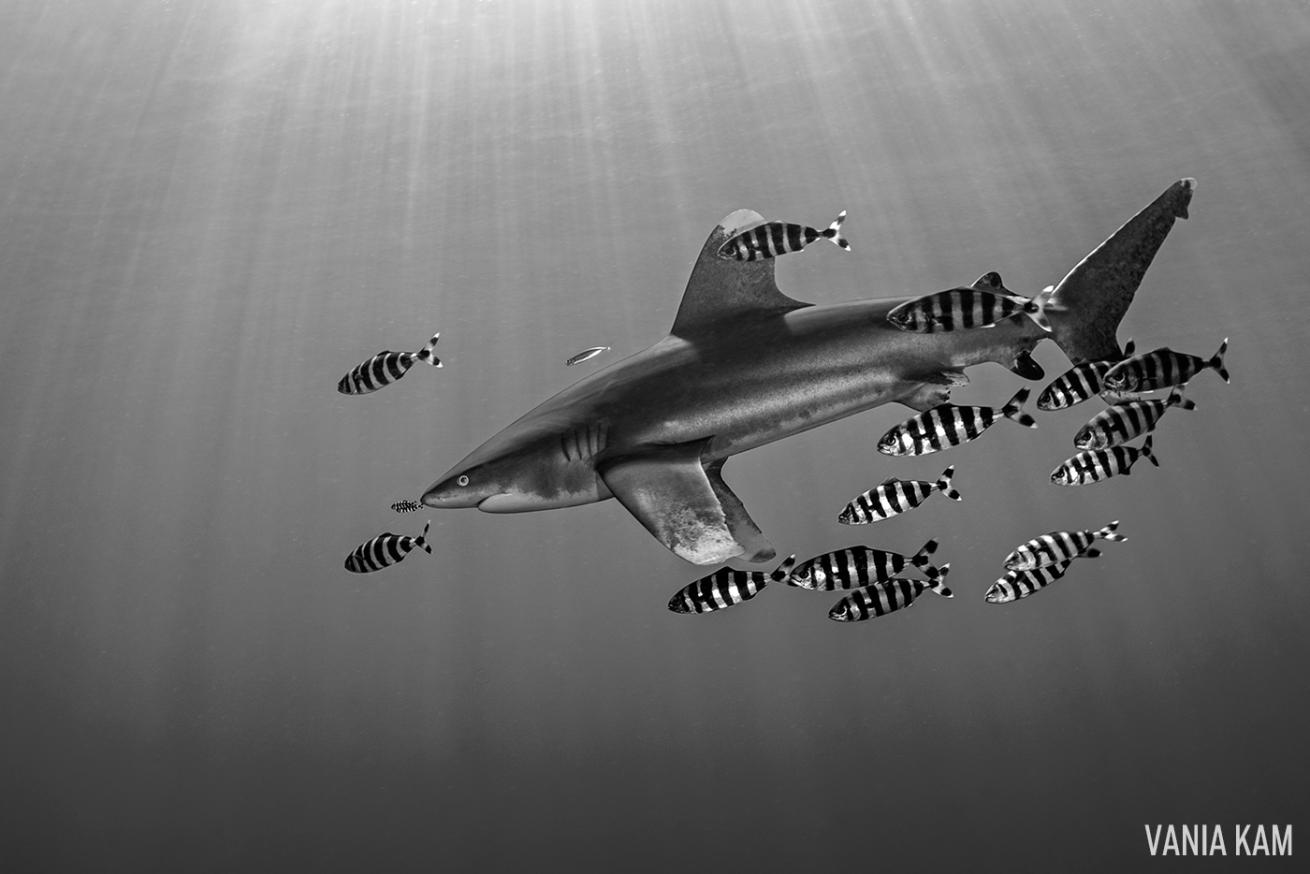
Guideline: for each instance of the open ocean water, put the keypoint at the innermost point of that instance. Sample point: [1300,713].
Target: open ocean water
[211,211]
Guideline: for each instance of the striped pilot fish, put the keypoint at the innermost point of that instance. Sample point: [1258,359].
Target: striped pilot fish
[1127,421]
[385,550]
[1162,368]
[726,587]
[948,425]
[859,566]
[406,506]
[1057,546]
[1078,383]
[981,305]
[1093,466]
[886,597]
[779,238]
[894,496]
[1020,584]
[385,368]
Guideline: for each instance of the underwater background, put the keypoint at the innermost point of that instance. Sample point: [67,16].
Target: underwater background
[211,211]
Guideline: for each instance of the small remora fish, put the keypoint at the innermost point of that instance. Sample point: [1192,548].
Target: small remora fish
[1057,546]
[726,587]
[1094,466]
[886,597]
[779,238]
[1162,368]
[1127,421]
[385,368]
[1020,584]
[859,566]
[894,496]
[406,506]
[981,305]
[586,355]
[948,425]
[1078,383]
[385,550]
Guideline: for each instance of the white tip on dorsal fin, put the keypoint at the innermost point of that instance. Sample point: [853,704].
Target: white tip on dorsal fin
[722,288]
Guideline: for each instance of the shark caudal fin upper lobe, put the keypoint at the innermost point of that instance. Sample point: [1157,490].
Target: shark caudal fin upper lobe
[1087,305]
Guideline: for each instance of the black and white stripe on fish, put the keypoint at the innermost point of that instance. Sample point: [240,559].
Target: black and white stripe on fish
[385,368]
[894,496]
[385,550]
[858,566]
[772,239]
[1094,466]
[947,425]
[1162,368]
[1057,546]
[886,597]
[726,587]
[1127,421]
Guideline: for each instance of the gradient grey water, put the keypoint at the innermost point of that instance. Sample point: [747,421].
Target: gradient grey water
[212,210]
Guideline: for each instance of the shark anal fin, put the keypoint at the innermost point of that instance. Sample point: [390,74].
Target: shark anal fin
[721,289]
[668,491]
[1025,366]
[743,527]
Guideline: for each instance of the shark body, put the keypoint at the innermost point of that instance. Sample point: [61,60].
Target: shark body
[745,365]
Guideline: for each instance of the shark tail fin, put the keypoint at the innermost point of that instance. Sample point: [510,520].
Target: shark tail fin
[834,232]
[921,561]
[783,571]
[1107,533]
[1088,303]
[1014,409]
[944,486]
[429,352]
[422,539]
[1217,362]
[1176,399]
[1146,451]
[936,584]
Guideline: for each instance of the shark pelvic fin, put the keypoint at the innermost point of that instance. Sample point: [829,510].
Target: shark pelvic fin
[669,492]
[1087,305]
[721,288]
[934,389]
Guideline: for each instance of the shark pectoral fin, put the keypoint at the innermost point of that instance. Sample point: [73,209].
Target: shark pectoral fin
[744,530]
[933,390]
[669,492]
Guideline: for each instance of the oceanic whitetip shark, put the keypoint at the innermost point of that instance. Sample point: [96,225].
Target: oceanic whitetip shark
[745,365]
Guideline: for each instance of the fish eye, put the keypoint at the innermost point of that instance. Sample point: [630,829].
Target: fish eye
[463,479]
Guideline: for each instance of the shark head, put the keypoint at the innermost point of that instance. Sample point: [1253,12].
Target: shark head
[528,466]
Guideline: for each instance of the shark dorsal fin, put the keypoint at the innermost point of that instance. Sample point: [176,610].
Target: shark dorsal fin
[721,288]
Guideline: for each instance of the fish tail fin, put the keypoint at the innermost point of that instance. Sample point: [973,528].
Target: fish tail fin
[834,232]
[1176,399]
[423,538]
[1217,362]
[921,561]
[1090,552]
[1107,533]
[428,353]
[944,486]
[1146,450]
[783,571]
[1097,292]
[1014,409]
[936,584]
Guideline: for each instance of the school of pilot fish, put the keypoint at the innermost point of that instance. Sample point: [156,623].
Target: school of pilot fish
[872,579]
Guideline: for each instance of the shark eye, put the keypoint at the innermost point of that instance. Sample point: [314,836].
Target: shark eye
[463,480]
